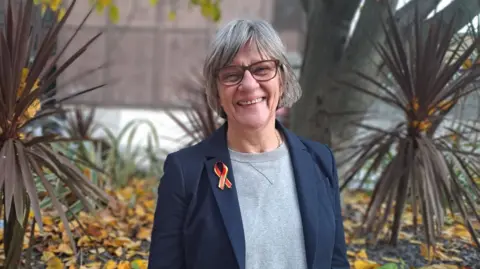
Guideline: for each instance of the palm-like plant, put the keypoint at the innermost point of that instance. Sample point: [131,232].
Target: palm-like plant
[426,168]
[201,120]
[24,157]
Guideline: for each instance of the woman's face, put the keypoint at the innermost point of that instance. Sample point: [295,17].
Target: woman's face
[250,102]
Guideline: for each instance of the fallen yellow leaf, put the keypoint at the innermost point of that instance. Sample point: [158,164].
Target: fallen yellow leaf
[111,264]
[427,253]
[119,252]
[84,241]
[54,263]
[144,233]
[359,241]
[94,265]
[362,254]
[121,241]
[365,264]
[47,255]
[47,220]
[140,264]
[150,204]
[134,245]
[126,193]
[394,260]
[140,211]
[64,248]
[124,265]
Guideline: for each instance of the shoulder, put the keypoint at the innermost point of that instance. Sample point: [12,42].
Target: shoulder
[319,149]
[323,155]
[188,154]
[189,160]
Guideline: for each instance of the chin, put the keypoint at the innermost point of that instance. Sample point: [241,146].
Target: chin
[252,121]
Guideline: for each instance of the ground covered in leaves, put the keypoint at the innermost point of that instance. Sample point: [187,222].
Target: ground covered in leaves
[119,238]
[455,249]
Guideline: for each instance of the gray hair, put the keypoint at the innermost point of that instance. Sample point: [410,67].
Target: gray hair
[227,43]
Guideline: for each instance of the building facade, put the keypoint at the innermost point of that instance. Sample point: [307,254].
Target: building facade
[146,55]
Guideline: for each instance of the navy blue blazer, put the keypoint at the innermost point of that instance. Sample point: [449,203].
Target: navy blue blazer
[198,226]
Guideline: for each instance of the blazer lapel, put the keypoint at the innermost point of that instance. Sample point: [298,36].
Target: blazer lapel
[304,170]
[227,198]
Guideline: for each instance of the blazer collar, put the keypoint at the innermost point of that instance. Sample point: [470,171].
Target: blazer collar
[227,199]
[217,142]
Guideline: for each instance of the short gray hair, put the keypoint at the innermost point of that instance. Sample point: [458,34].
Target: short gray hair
[228,41]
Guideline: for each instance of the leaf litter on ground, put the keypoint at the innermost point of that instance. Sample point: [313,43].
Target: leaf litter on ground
[119,237]
[455,250]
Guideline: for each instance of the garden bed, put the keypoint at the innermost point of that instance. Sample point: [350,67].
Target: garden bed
[121,237]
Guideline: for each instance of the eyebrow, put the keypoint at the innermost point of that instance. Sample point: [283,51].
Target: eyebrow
[254,62]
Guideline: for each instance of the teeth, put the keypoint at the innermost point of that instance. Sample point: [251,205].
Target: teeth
[251,101]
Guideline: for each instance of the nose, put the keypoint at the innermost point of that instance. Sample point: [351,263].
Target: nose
[248,82]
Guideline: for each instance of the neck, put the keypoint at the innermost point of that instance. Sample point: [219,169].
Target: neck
[259,140]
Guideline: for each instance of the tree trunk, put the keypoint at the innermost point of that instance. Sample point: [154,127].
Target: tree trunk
[327,56]
[327,29]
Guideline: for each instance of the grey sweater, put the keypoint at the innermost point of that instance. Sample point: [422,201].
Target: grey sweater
[269,207]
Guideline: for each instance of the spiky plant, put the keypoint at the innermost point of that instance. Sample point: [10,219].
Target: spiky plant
[201,120]
[424,168]
[24,157]
[80,123]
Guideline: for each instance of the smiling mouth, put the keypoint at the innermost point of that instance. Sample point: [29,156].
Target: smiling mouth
[251,102]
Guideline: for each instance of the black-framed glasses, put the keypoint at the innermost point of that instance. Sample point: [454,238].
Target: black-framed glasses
[261,71]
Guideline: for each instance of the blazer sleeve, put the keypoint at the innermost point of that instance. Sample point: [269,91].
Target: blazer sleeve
[166,248]
[339,258]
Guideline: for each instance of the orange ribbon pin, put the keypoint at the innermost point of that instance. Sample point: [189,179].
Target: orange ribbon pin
[222,175]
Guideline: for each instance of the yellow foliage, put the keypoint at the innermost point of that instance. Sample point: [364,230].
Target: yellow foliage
[153,2]
[110,265]
[55,4]
[365,264]
[114,13]
[362,254]
[124,265]
[119,252]
[23,83]
[34,106]
[467,64]
[172,15]
[64,248]
[61,13]
[144,233]
[54,263]
[427,253]
[424,125]
[140,264]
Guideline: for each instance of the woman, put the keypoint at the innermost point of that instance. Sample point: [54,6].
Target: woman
[253,195]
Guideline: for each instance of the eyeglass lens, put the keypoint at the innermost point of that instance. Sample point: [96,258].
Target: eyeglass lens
[261,71]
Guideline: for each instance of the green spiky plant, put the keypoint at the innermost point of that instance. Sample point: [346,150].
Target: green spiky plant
[123,163]
[423,171]
[25,64]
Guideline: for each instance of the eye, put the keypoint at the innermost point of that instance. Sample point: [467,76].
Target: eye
[261,69]
[232,77]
